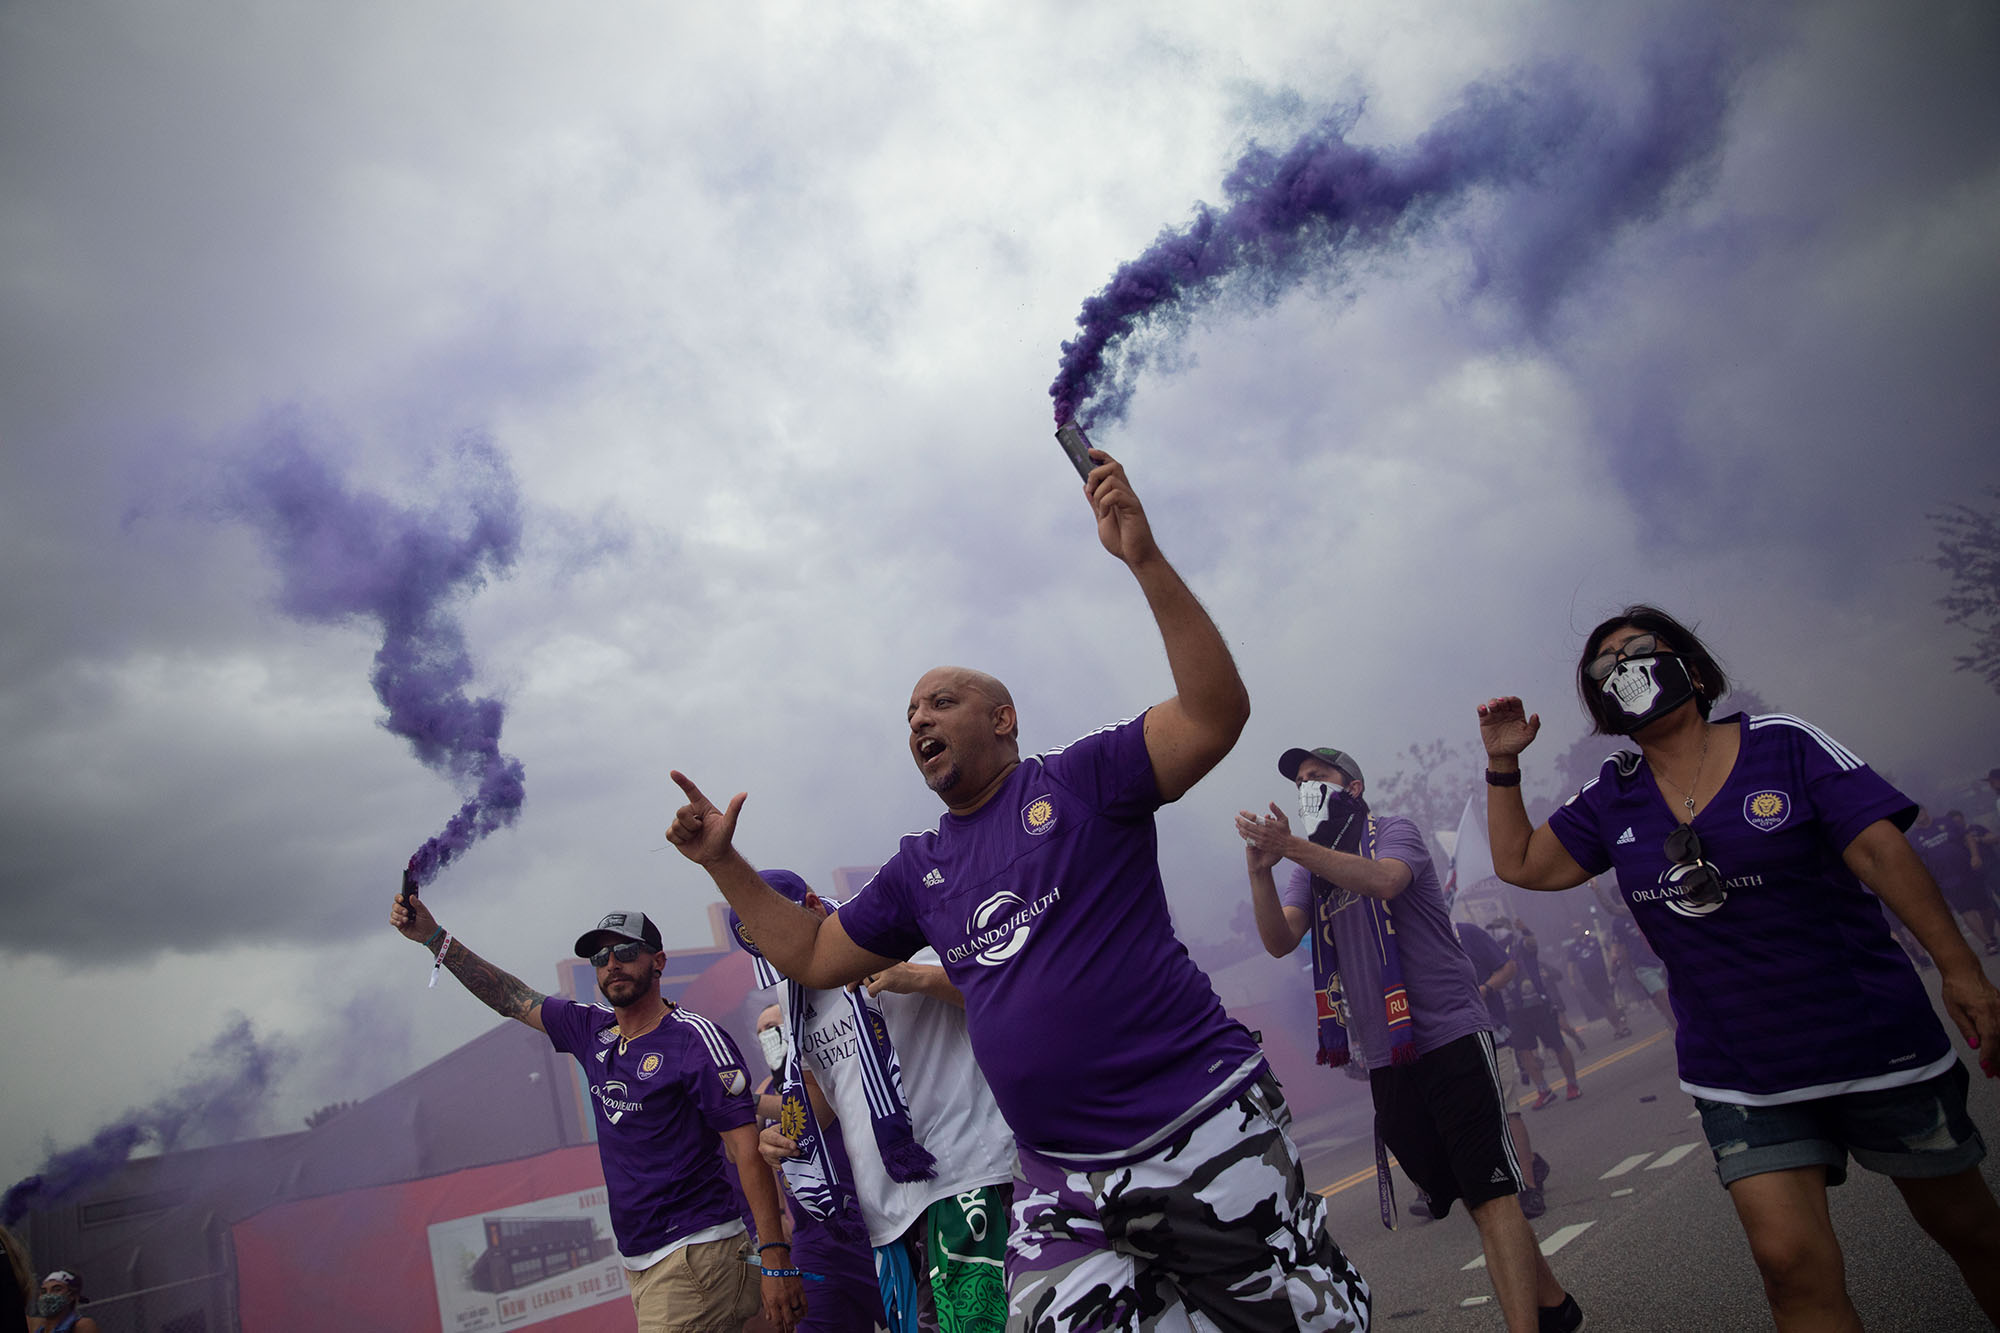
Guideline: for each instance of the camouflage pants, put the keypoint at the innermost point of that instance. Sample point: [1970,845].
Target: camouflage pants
[1214,1230]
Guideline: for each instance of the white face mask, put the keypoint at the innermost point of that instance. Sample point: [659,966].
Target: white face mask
[773,1042]
[1313,797]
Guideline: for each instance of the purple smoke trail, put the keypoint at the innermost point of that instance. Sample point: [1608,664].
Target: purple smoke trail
[219,1105]
[1325,201]
[343,555]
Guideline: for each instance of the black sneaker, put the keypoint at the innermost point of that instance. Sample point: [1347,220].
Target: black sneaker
[1532,1203]
[1541,1169]
[1420,1207]
[1564,1318]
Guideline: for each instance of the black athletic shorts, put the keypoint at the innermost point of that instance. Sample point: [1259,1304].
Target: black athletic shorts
[1533,1023]
[1967,895]
[1444,1117]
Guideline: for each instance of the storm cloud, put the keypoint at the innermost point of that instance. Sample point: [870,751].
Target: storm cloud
[760,306]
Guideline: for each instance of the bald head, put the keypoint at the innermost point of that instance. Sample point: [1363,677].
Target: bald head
[964,734]
[967,681]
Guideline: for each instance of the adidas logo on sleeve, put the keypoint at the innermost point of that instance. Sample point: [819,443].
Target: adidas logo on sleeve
[1626,836]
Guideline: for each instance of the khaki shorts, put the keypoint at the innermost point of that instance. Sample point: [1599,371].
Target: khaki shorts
[1509,1070]
[708,1287]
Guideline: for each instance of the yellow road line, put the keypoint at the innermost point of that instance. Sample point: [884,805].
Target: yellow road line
[1368,1172]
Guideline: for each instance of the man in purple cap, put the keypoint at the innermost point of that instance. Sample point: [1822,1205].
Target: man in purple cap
[670,1091]
[1395,990]
[1159,1179]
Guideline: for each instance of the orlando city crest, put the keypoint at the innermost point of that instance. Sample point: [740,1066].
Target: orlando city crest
[1038,816]
[1767,809]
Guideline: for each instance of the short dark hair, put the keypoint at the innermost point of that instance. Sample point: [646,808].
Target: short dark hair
[1710,683]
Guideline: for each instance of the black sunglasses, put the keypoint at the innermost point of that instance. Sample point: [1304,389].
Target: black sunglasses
[1702,885]
[629,952]
[1606,662]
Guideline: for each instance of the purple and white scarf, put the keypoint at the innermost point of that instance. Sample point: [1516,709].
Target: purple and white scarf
[903,1157]
[812,1176]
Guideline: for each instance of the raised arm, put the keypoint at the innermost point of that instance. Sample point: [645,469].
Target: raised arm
[810,951]
[504,994]
[1371,877]
[1189,734]
[1884,860]
[1523,855]
[1279,927]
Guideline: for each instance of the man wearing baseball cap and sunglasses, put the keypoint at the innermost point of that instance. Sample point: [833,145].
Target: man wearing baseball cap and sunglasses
[670,1089]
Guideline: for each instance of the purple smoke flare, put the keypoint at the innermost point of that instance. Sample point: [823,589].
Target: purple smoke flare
[343,555]
[219,1105]
[1585,170]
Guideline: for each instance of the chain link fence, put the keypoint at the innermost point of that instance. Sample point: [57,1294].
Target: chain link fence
[191,1305]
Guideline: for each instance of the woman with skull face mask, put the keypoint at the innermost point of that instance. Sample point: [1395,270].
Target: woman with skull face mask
[1742,846]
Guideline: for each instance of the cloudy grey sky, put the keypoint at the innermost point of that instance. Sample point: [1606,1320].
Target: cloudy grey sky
[761,304]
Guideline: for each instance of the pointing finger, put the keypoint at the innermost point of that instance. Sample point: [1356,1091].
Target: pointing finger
[686,784]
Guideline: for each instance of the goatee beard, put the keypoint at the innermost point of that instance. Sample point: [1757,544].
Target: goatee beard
[638,992]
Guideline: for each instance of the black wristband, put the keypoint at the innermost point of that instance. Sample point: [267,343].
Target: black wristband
[774,1245]
[1503,779]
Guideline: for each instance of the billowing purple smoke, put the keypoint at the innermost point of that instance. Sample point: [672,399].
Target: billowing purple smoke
[220,1103]
[343,555]
[1588,171]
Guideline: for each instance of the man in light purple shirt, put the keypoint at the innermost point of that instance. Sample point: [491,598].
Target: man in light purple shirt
[1397,993]
[1159,1177]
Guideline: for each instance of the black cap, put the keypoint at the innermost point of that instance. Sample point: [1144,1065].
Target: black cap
[1289,761]
[622,925]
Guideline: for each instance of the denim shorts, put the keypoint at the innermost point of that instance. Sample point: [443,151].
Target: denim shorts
[1913,1131]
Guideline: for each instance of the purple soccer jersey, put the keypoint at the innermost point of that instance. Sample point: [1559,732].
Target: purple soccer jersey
[1791,988]
[1096,1031]
[660,1105]
[1444,995]
[1946,854]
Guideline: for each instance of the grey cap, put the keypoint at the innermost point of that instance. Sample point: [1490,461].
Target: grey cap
[621,925]
[1289,761]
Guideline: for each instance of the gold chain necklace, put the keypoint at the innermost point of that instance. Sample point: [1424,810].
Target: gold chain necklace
[1687,793]
[624,1041]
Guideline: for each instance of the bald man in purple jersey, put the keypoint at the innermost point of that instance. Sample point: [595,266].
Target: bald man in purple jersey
[1160,1182]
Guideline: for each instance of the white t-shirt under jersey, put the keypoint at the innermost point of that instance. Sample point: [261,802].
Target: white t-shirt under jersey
[952,1110]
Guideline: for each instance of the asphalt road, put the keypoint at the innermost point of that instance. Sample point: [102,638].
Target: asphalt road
[1637,1226]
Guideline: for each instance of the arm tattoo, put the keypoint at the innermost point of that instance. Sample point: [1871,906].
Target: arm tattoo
[503,994]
